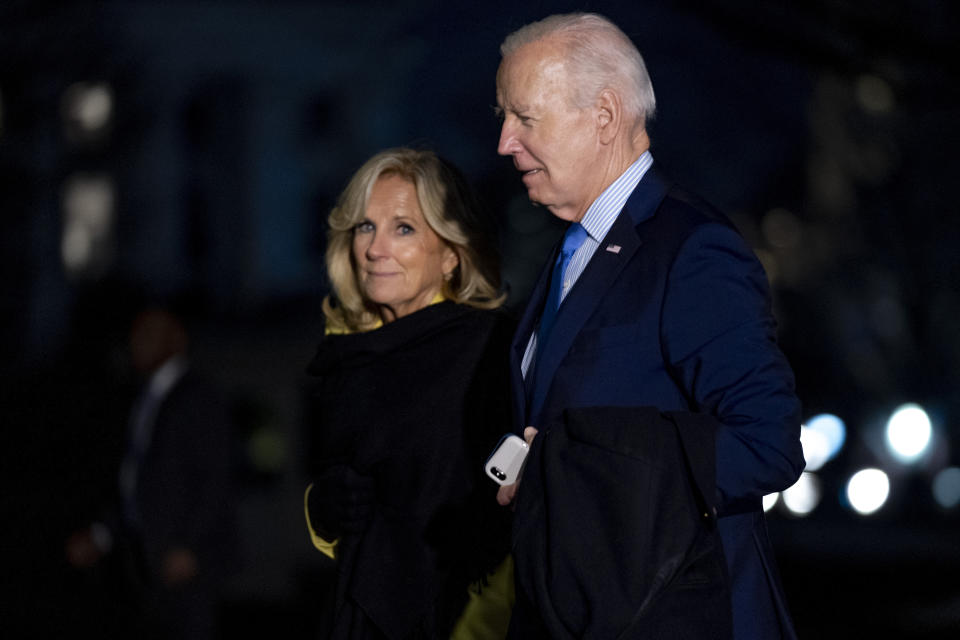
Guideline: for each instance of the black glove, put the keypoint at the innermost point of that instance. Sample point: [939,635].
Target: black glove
[341,501]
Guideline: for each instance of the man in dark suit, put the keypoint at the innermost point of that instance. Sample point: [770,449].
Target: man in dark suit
[652,300]
[170,541]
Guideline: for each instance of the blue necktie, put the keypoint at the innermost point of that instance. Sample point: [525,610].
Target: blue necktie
[572,240]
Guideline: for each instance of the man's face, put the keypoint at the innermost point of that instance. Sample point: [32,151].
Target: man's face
[554,144]
[153,339]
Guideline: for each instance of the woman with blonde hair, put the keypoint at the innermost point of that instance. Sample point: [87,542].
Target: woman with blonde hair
[411,396]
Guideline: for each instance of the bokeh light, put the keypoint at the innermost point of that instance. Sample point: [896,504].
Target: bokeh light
[946,487]
[908,433]
[781,228]
[822,438]
[868,490]
[804,496]
[770,501]
[874,94]
[88,216]
[267,450]
[816,448]
[87,108]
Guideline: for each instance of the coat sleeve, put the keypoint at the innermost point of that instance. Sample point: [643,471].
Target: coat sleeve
[324,546]
[719,340]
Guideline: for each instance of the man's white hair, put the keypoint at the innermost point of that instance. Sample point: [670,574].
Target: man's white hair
[598,56]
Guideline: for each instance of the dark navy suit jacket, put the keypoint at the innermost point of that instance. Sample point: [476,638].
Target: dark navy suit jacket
[673,311]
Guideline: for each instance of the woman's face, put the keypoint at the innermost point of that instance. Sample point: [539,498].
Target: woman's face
[400,261]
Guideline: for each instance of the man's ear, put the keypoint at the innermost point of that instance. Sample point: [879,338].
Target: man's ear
[609,115]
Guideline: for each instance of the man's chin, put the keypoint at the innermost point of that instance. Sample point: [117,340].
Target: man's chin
[559,212]
[535,198]
[540,203]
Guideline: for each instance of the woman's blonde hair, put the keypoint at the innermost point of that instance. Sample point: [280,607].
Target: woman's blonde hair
[450,208]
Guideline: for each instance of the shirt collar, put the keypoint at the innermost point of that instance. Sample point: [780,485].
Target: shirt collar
[167,375]
[600,216]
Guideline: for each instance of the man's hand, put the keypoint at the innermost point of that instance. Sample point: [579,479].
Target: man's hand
[507,493]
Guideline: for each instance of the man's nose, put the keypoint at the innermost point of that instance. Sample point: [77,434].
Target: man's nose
[508,145]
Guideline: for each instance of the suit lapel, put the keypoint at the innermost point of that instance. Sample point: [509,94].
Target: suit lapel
[614,253]
[580,303]
[525,328]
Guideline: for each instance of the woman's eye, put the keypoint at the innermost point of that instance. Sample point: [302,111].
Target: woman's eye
[364,227]
[405,229]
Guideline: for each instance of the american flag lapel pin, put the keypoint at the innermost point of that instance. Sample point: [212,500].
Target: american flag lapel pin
[613,248]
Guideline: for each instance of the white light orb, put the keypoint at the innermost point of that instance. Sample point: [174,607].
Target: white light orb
[868,490]
[909,433]
[770,501]
[816,448]
[804,496]
[830,427]
[88,105]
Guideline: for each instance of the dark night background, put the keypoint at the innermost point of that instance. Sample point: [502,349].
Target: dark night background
[216,136]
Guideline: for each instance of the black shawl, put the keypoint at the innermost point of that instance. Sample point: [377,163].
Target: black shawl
[416,404]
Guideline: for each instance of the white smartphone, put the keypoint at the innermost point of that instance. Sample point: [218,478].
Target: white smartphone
[506,462]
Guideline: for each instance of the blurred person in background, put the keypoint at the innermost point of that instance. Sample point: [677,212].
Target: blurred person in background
[411,395]
[167,543]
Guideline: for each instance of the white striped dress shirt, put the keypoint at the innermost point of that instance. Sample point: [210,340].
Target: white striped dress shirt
[597,222]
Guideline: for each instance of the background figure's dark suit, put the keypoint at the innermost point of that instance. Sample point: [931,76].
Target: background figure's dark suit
[673,312]
[184,499]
